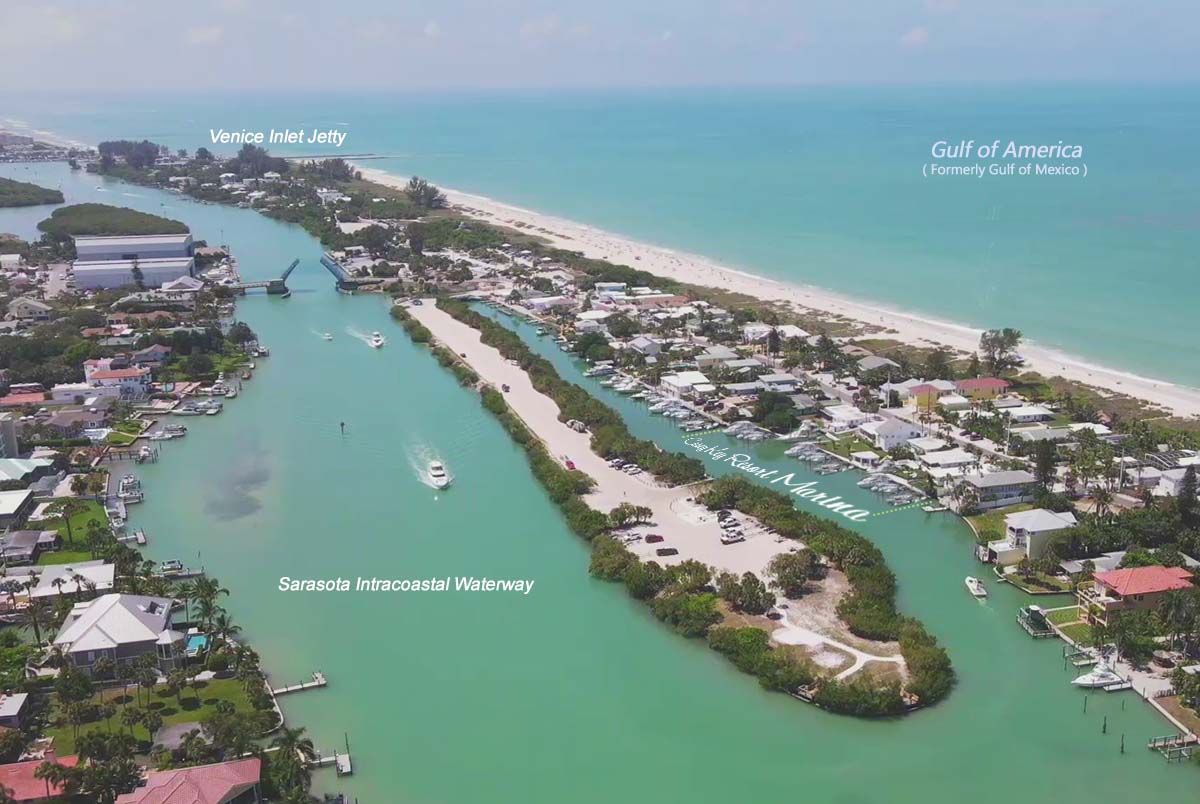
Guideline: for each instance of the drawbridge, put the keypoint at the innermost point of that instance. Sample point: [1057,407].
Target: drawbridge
[345,282]
[275,287]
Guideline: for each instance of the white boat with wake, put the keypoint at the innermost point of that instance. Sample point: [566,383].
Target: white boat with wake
[376,340]
[976,587]
[438,477]
[326,336]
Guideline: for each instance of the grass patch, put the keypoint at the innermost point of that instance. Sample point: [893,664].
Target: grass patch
[188,707]
[79,523]
[64,557]
[845,446]
[1063,616]
[1038,582]
[1080,633]
[989,526]
[119,439]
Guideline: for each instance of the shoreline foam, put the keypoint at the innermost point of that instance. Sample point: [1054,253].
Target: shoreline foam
[911,328]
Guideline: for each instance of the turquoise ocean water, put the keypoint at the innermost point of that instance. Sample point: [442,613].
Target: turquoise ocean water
[819,186]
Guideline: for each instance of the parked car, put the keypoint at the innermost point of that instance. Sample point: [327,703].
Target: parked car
[667,551]
[653,538]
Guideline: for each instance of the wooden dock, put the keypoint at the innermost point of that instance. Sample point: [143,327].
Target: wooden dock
[339,761]
[318,680]
[1175,747]
[1032,628]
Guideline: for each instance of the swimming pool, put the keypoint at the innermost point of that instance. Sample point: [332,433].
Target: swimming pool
[196,644]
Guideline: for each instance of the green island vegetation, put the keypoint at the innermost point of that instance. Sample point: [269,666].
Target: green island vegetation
[23,194]
[103,219]
[683,595]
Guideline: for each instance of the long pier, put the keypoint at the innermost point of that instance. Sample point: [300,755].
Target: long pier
[318,681]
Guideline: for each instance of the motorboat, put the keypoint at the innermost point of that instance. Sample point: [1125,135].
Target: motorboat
[327,336]
[976,587]
[438,477]
[376,340]
[1102,675]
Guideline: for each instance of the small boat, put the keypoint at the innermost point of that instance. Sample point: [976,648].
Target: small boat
[376,340]
[1102,675]
[933,509]
[437,475]
[231,393]
[976,587]
[327,336]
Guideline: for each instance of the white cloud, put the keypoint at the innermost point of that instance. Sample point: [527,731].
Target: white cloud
[205,35]
[917,37]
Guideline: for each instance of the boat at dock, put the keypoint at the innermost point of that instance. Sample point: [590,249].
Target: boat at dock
[1101,676]
[976,587]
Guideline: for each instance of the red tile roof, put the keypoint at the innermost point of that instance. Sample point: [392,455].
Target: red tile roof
[206,784]
[18,778]
[14,400]
[982,384]
[1145,580]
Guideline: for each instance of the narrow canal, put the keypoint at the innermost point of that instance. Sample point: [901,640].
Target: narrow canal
[573,692]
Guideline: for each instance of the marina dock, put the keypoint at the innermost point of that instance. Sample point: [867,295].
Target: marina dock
[1175,747]
[340,761]
[318,681]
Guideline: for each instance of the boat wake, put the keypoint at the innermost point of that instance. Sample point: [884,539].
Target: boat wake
[419,458]
[365,337]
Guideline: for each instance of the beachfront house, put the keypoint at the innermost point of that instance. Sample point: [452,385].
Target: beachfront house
[873,362]
[1026,535]
[1129,589]
[1027,414]
[996,490]
[888,434]
[978,389]
[122,628]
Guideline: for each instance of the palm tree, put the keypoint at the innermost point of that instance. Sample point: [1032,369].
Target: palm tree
[224,629]
[185,590]
[67,508]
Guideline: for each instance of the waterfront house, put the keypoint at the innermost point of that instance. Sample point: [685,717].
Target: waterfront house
[15,507]
[24,470]
[685,384]
[1129,589]
[24,546]
[845,417]
[954,458]
[234,782]
[54,580]
[1027,534]
[1000,489]
[888,434]
[122,628]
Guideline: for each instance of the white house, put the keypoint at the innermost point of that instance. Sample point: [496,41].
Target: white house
[781,383]
[1026,535]
[846,417]
[684,383]
[889,434]
[1023,414]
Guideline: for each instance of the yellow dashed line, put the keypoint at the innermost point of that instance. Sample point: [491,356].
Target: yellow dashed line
[901,508]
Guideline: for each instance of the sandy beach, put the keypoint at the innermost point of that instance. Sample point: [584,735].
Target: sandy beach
[914,329]
[683,523]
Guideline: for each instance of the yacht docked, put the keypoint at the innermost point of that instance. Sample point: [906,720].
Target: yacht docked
[1102,675]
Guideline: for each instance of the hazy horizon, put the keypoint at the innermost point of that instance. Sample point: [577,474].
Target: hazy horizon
[224,45]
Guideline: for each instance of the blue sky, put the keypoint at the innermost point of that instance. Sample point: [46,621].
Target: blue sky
[420,44]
